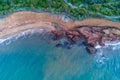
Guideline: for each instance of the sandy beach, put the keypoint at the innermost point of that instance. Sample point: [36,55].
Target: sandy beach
[21,21]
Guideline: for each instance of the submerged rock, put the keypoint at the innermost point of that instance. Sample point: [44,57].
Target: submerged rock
[91,50]
[64,43]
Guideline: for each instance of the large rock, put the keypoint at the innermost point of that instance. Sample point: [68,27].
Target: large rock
[91,50]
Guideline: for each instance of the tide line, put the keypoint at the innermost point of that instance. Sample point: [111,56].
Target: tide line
[20,35]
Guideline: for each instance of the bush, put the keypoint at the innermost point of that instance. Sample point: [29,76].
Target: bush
[6,7]
[96,7]
[1,7]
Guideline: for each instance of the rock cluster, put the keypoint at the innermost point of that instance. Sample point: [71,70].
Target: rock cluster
[89,36]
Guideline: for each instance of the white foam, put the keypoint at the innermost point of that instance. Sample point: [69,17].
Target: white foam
[20,35]
[112,44]
[101,50]
[98,46]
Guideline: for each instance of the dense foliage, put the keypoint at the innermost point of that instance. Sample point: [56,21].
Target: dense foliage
[75,8]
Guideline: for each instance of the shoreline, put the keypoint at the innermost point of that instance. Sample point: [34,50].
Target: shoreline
[48,20]
[94,31]
[22,34]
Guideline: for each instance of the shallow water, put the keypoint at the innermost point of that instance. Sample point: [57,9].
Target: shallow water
[36,58]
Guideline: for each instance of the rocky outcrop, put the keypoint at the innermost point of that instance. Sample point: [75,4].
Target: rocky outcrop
[91,36]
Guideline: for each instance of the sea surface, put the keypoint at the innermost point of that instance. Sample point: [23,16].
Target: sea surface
[35,57]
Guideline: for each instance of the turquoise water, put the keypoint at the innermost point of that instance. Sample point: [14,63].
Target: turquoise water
[36,58]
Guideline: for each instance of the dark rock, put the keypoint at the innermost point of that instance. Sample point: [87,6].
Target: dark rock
[64,43]
[70,36]
[76,33]
[91,50]
[101,43]
[58,34]
[75,38]
[58,45]
[69,32]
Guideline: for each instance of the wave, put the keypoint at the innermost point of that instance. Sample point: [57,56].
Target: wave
[111,44]
[21,35]
[102,50]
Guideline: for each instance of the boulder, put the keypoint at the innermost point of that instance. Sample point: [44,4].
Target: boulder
[91,50]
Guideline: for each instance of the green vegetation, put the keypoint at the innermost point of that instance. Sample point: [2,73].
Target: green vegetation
[75,8]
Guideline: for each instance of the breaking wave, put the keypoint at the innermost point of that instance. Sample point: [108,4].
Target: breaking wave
[21,35]
[102,50]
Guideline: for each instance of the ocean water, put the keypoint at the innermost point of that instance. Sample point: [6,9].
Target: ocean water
[35,57]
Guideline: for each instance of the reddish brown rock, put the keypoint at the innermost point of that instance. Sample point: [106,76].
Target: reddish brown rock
[92,36]
[75,33]
[113,36]
[69,32]
[75,38]
[58,34]
[70,36]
